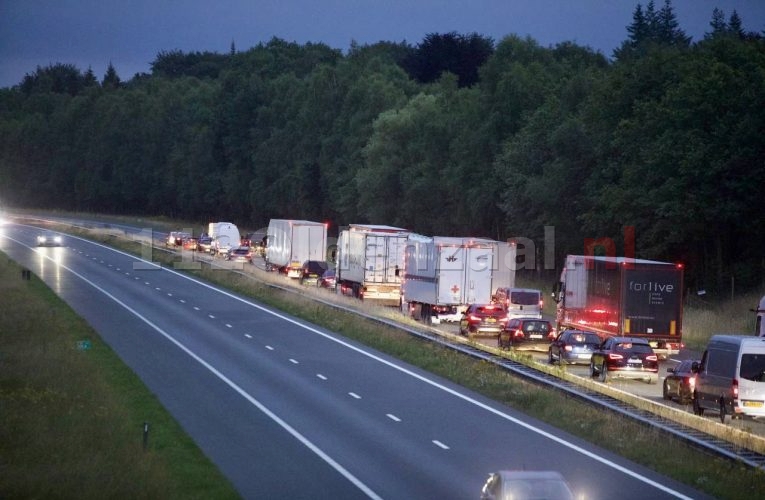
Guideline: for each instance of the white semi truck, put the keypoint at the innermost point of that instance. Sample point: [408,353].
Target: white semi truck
[370,262]
[446,274]
[290,243]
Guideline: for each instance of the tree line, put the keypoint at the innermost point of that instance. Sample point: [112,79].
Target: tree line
[458,135]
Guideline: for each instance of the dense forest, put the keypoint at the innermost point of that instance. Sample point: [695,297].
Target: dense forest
[459,135]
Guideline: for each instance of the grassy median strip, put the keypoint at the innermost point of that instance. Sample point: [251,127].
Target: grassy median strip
[72,414]
[652,448]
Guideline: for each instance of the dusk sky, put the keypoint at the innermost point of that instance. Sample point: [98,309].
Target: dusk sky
[130,33]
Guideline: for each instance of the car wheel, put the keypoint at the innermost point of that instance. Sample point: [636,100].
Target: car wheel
[665,391]
[697,409]
[723,414]
[603,373]
[549,357]
[593,371]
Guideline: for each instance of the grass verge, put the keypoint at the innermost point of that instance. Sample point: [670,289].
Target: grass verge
[72,418]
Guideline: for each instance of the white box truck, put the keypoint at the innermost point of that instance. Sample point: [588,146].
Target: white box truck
[290,243]
[370,262]
[759,325]
[225,237]
[443,275]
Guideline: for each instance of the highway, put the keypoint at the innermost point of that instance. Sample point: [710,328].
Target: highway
[288,409]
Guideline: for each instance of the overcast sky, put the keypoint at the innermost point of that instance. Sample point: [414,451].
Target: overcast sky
[130,33]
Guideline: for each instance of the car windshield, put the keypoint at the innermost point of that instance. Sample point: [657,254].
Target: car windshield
[584,338]
[536,326]
[316,266]
[753,367]
[489,310]
[536,489]
[524,298]
[633,347]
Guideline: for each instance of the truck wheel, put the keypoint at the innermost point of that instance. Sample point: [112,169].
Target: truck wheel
[697,409]
[603,373]
[723,414]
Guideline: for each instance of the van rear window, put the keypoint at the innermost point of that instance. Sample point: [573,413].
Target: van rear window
[753,367]
[524,298]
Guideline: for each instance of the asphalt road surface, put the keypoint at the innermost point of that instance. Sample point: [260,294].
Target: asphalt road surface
[287,409]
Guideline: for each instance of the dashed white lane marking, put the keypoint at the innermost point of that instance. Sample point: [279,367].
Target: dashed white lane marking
[228,326]
[196,308]
[169,294]
[211,316]
[269,348]
[294,361]
[393,417]
[182,301]
[321,376]
[146,283]
[248,335]
[354,395]
[157,288]
[440,444]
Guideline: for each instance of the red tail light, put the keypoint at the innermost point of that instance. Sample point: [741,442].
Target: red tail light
[652,357]
[474,318]
[568,348]
[518,333]
[615,356]
[734,388]
[692,382]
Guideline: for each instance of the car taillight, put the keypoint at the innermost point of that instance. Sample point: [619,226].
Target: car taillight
[734,388]
[518,333]
[568,348]
[473,318]
[615,356]
[692,382]
[652,357]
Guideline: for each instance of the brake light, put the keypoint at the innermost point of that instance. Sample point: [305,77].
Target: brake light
[652,357]
[474,318]
[518,333]
[734,388]
[568,348]
[615,356]
[541,303]
[692,382]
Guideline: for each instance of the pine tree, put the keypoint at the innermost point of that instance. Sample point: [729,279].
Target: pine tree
[111,79]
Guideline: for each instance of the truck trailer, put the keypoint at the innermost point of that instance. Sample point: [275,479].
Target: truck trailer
[292,242]
[448,274]
[370,262]
[619,296]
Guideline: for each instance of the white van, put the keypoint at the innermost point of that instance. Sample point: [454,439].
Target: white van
[520,302]
[731,377]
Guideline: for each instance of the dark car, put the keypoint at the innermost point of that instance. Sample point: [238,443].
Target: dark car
[573,347]
[483,320]
[526,484]
[328,279]
[175,238]
[312,271]
[680,382]
[240,254]
[530,332]
[625,357]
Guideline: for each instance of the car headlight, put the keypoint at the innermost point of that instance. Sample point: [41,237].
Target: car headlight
[41,239]
[57,239]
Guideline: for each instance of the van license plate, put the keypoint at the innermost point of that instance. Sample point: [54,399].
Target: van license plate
[753,404]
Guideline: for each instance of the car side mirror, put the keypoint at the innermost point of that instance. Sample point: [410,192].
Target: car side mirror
[670,370]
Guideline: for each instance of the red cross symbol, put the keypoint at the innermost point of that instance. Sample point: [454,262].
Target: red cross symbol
[455,289]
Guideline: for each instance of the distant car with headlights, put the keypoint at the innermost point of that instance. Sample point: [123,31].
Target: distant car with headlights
[327,279]
[528,332]
[526,484]
[680,381]
[573,347]
[204,244]
[625,357]
[239,254]
[191,243]
[48,239]
[483,320]
[175,238]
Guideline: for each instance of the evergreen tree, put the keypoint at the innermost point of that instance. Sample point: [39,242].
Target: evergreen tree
[111,79]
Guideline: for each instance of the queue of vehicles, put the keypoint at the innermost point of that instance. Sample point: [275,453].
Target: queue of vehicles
[617,315]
